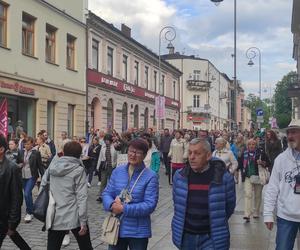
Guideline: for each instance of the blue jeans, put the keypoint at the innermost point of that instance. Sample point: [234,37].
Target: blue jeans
[197,242]
[286,234]
[28,185]
[132,243]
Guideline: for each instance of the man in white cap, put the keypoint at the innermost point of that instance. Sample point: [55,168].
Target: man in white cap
[283,190]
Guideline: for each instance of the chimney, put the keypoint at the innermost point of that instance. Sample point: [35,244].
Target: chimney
[126,30]
[171,51]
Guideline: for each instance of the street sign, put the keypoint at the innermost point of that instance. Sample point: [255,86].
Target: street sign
[260,119]
[259,112]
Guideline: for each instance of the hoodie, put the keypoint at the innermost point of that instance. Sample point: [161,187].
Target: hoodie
[69,189]
[280,189]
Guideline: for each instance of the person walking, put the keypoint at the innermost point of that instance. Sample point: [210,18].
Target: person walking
[11,198]
[152,159]
[93,154]
[164,148]
[13,153]
[44,150]
[273,146]
[283,191]
[204,199]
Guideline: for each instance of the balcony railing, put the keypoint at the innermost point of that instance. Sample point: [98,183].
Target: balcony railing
[198,110]
[198,85]
[294,90]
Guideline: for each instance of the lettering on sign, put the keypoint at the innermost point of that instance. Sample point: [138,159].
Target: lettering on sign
[17,88]
[109,82]
[128,88]
[175,103]
[149,95]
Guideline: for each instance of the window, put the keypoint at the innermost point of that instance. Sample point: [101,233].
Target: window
[50,43]
[95,54]
[28,34]
[147,77]
[155,81]
[174,89]
[136,73]
[50,118]
[125,67]
[163,85]
[154,118]
[71,51]
[3,24]
[197,75]
[136,117]
[71,109]
[196,103]
[110,61]
[110,114]
[146,117]
[124,117]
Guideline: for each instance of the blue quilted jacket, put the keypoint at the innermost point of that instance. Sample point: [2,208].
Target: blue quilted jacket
[135,221]
[221,204]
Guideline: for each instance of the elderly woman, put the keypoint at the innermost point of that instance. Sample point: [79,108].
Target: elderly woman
[225,154]
[253,157]
[132,194]
[69,189]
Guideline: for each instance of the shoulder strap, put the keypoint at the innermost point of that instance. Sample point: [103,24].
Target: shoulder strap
[137,180]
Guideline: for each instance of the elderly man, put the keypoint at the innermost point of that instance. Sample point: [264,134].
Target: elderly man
[204,199]
[283,190]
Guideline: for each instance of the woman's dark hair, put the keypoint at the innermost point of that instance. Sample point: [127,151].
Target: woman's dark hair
[139,144]
[72,148]
[273,135]
[108,137]
[29,139]
[3,142]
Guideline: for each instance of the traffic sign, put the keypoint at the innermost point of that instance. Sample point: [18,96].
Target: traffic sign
[259,112]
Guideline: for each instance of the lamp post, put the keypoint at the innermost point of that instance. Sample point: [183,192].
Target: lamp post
[251,53]
[169,34]
[217,2]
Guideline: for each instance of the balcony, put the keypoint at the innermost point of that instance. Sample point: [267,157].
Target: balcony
[294,90]
[199,110]
[198,85]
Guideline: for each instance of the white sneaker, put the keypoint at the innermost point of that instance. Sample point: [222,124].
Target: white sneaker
[99,183]
[89,185]
[28,218]
[66,240]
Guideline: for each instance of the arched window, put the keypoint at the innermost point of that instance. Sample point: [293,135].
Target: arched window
[146,117]
[110,114]
[124,117]
[136,116]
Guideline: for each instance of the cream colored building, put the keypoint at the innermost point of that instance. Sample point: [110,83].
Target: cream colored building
[246,119]
[123,81]
[42,66]
[203,93]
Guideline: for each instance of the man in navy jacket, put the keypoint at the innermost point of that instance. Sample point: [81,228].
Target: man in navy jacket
[204,199]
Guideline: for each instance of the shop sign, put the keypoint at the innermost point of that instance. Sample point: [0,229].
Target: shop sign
[113,83]
[3,118]
[17,87]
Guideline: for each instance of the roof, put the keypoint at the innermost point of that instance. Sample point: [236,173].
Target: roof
[129,39]
[177,55]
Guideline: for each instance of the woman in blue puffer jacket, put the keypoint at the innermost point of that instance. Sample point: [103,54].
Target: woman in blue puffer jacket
[132,193]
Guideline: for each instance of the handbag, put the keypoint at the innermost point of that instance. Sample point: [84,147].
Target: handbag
[111,224]
[254,179]
[264,175]
[40,205]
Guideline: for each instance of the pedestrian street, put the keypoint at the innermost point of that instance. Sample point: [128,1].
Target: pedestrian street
[251,236]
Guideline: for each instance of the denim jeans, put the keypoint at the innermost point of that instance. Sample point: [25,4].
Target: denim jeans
[132,243]
[286,234]
[197,242]
[28,185]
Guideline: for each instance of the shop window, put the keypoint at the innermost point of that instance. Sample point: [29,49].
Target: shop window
[71,51]
[95,54]
[110,61]
[125,68]
[50,43]
[136,73]
[136,117]
[70,131]
[110,114]
[124,117]
[50,118]
[28,34]
[3,24]
[146,117]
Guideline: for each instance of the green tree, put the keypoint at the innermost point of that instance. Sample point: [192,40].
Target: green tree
[283,104]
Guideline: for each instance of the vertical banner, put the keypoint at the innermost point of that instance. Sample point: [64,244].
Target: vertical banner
[160,107]
[3,118]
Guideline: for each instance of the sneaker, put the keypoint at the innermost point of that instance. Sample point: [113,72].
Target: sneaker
[66,240]
[89,185]
[28,218]
[99,183]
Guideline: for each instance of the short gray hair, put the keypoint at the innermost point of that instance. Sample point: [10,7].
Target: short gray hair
[221,140]
[201,141]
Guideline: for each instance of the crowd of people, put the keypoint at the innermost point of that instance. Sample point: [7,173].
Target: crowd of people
[202,166]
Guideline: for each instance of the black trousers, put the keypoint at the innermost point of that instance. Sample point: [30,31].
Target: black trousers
[16,237]
[55,239]
[166,162]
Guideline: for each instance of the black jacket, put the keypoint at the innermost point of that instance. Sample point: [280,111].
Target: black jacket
[35,163]
[11,197]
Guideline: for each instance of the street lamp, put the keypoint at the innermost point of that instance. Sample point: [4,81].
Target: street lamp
[169,34]
[217,2]
[251,53]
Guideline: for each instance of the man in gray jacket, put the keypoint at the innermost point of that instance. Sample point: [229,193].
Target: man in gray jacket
[69,189]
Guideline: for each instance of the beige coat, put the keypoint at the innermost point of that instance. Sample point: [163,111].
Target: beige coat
[178,151]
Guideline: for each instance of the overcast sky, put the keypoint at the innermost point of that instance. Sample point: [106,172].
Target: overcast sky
[206,30]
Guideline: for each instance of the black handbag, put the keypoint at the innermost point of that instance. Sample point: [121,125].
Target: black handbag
[41,204]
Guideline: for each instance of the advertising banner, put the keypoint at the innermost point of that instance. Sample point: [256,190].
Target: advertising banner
[3,117]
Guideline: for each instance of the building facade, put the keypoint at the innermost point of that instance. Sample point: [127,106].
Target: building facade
[123,81]
[42,66]
[203,93]
[294,92]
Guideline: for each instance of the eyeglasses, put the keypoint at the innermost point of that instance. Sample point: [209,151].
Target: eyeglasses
[135,152]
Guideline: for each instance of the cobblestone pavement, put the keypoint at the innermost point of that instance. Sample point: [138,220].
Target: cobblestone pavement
[252,236]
